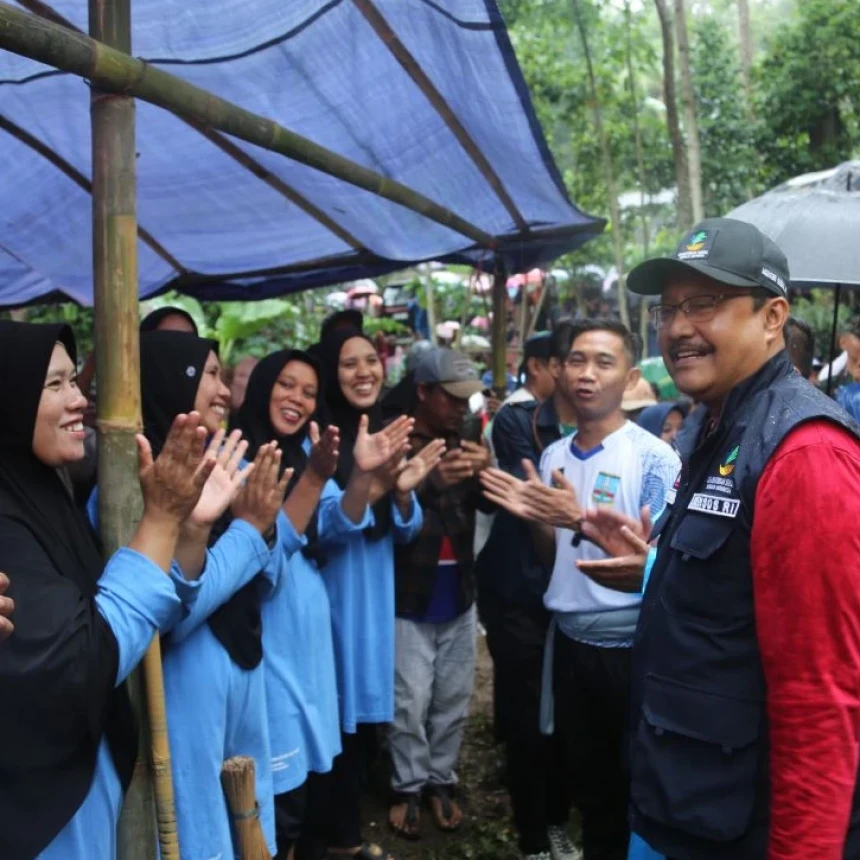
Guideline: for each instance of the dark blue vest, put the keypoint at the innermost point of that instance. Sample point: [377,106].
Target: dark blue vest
[699,750]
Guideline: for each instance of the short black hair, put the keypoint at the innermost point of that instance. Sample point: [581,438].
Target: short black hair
[630,340]
[800,343]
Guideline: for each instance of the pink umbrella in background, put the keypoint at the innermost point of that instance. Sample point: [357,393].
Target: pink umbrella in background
[481,323]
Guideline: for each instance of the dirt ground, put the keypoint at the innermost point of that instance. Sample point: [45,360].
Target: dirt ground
[487,832]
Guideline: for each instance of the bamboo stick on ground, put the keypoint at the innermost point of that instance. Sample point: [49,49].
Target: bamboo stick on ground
[237,778]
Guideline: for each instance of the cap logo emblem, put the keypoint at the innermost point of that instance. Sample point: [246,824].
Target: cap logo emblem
[696,246]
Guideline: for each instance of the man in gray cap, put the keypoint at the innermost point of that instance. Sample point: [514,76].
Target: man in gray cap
[434,602]
[746,661]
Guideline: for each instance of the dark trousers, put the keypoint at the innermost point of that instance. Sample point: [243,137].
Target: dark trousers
[343,824]
[290,815]
[538,781]
[592,697]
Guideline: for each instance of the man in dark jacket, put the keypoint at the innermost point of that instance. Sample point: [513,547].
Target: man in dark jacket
[746,683]
[435,629]
[511,584]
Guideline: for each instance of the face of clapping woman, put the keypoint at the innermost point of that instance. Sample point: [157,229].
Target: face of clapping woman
[58,437]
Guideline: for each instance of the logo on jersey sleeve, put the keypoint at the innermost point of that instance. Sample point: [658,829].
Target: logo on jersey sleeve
[729,466]
[605,489]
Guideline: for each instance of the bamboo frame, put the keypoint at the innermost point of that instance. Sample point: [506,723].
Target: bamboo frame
[499,330]
[412,68]
[115,233]
[115,71]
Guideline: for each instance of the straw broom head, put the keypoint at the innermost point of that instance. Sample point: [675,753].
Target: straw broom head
[237,778]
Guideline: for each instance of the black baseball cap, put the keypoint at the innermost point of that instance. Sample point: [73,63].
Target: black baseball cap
[537,346]
[729,251]
[451,370]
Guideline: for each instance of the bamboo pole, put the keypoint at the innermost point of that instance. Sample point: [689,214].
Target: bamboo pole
[499,331]
[117,366]
[115,71]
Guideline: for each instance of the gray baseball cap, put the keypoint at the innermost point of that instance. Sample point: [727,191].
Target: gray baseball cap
[450,369]
[729,251]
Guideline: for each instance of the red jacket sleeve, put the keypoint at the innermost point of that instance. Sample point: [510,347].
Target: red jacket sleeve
[806,578]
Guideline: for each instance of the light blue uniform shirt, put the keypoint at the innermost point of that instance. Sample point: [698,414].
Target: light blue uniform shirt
[136,599]
[301,682]
[216,709]
[359,578]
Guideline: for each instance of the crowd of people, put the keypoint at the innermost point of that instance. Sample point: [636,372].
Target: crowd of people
[670,590]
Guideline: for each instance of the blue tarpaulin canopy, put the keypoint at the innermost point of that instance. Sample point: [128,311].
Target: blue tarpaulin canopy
[237,221]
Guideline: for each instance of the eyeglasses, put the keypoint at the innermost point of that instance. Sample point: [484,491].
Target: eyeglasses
[698,309]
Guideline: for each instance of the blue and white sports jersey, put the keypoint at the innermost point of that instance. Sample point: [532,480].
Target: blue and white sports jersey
[631,468]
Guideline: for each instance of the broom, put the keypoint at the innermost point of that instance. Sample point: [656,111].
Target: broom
[237,778]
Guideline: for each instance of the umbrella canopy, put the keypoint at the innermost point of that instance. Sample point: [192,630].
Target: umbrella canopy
[815,219]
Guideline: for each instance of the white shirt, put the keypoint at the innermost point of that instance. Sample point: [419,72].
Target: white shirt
[629,469]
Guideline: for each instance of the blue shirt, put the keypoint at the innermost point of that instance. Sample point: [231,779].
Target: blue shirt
[136,599]
[301,682]
[359,578]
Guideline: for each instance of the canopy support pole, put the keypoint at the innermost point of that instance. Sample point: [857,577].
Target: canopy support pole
[837,295]
[499,332]
[118,368]
[116,71]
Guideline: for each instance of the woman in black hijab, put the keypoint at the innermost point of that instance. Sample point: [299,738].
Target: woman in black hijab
[69,740]
[359,577]
[169,318]
[213,670]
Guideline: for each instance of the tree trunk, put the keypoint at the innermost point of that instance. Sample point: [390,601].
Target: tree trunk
[640,165]
[745,41]
[679,149]
[608,168]
[688,99]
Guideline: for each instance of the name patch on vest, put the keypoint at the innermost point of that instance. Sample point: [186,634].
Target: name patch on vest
[715,505]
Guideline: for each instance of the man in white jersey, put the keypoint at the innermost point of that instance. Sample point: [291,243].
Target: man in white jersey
[609,461]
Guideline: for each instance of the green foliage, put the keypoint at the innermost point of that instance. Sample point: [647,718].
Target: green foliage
[730,163]
[808,91]
[817,311]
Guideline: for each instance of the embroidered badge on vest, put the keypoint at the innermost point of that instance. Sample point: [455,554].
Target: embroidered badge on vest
[729,466]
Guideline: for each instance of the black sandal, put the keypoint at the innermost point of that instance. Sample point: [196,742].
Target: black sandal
[445,795]
[412,819]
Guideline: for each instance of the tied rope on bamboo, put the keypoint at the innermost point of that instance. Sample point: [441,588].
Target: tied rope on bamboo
[237,778]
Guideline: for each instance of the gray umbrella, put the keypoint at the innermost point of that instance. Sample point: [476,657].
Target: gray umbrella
[815,219]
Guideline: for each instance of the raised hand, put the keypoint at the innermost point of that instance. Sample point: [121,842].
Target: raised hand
[624,539]
[506,491]
[261,496]
[173,482]
[556,506]
[226,478]
[7,607]
[373,450]
[325,450]
[410,473]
